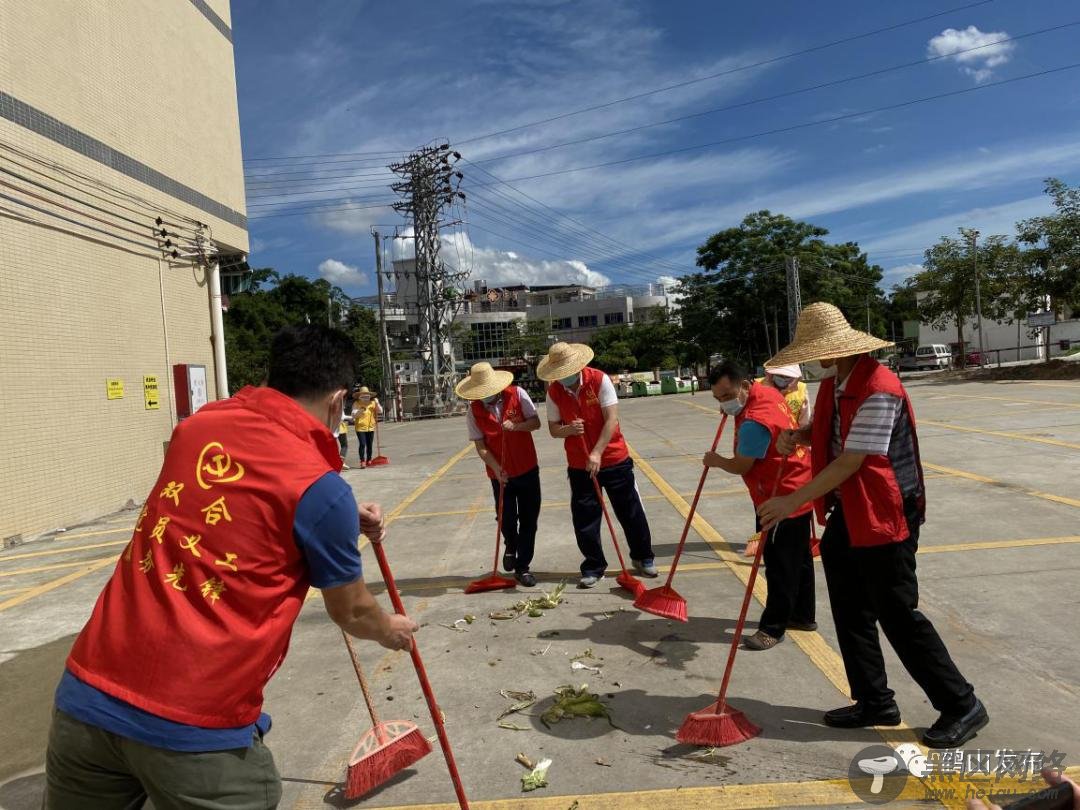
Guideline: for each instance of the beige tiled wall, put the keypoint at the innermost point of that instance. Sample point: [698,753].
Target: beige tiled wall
[156,82]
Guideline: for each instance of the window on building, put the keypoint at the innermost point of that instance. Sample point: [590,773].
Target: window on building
[613,318]
[561,323]
[485,341]
[586,320]
[630,319]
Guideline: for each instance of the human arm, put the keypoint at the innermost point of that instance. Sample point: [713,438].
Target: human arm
[489,459]
[530,417]
[529,425]
[353,608]
[378,407]
[752,443]
[611,423]
[736,464]
[556,428]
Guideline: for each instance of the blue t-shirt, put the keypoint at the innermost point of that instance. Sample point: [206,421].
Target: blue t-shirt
[326,528]
[754,439]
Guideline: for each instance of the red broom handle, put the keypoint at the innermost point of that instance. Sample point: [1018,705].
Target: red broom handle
[499,508]
[603,508]
[380,732]
[425,684]
[746,600]
[693,505]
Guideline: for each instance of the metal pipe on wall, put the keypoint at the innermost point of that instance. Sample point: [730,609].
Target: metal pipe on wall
[217,326]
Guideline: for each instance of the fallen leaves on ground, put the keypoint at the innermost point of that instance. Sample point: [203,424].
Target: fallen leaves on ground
[534,608]
[575,701]
[537,777]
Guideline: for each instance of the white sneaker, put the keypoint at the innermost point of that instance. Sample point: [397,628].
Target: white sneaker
[345,467]
[590,581]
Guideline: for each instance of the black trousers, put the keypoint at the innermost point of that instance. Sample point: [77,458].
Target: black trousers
[618,483]
[365,438]
[868,586]
[789,571]
[521,511]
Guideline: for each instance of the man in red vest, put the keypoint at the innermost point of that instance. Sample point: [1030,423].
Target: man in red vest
[868,482]
[500,421]
[761,414]
[583,410]
[163,690]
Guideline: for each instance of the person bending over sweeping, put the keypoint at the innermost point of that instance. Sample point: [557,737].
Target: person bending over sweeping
[868,479]
[500,421]
[162,692]
[366,409]
[583,409]
[761,414]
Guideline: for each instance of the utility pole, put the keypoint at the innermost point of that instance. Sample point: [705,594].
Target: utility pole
[429,183]
[384,343]
[978,297]
[794,294]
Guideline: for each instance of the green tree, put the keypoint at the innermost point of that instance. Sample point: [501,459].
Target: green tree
[529,341]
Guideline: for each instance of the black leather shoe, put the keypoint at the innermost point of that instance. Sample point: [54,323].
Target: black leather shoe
[859,715]
[526,578]
[509,561]
[952,731]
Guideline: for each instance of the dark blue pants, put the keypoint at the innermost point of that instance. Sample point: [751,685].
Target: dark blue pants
[789,571]
[521,511]
[618,484]
[365,439]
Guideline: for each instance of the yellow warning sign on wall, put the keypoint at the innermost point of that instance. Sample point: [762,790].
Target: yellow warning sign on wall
[150,392]
[114,388]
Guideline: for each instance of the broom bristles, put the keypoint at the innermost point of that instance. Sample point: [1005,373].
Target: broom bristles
[663,601]
[378,461]
[373,763]
[492,583]
[729,727]
[631,583]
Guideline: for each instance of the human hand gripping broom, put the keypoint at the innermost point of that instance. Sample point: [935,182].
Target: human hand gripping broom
[625,578]
[425,684]
[718,724]
[666,601]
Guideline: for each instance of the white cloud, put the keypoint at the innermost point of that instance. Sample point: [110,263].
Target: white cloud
[979,64]
[352,220]
[505,267]
[897,275]
[342,275]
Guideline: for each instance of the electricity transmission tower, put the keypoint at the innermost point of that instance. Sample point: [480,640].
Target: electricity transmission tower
[794,294]
[429,184]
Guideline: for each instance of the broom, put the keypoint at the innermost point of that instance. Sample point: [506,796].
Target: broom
[625,579]
[386,750]
[379,459]
[494,582]
[425,684]
[718,724]
[666,601]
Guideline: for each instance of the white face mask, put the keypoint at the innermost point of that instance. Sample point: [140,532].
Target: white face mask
[571,381]
[732,407]
[782,383]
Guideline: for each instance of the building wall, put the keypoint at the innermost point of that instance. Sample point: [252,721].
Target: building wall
[1004,336]
[129,107]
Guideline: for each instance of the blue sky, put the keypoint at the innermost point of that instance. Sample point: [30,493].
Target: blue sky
[332,78]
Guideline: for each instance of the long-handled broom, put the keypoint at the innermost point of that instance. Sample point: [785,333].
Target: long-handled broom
[494,582]
[665,600]
[625,579]
[425,684]
[718,724]
[379,459]
[385,750]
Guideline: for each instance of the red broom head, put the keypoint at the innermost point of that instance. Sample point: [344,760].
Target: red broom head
[663,601]
[378,461]
[492,583]
[707,727]
[373,763]
[631,583]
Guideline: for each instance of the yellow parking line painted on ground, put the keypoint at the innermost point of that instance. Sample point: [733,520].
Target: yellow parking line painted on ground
[53,567]
[10,591]
[1013,399]
[52,585]
[53,551]
[992,544]
[1003,434]
[814,793]
[63,538]
[982,479]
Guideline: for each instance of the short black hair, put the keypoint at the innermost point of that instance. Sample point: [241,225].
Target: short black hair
[729,369]
[311,360]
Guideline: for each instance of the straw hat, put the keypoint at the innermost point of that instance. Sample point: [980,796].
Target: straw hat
[823,334]
[562,360]
[361,393]
[483,381]
[793,371]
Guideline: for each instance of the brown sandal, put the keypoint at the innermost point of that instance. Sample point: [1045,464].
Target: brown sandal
[761,641]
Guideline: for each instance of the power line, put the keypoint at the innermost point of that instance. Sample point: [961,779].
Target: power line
[803,125]
[342,208]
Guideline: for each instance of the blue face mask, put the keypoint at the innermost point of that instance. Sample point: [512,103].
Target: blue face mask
[491,399]
[571,381]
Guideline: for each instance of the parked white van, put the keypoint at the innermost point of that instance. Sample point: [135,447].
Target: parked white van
[933,356]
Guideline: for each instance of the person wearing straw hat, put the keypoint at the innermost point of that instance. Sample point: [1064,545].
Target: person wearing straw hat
[761,415]
[500,421]
[366,409]
[583,410]
[868,490]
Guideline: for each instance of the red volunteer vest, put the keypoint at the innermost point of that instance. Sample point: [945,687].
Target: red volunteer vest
[515,450]
[873,507]
[199,610]
[767,407]
[586,405]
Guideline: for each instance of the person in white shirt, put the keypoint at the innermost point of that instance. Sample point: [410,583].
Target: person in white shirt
[500,421]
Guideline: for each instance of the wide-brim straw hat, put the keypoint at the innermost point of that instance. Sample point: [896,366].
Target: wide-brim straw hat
[483,381]
[562,360]
[794,370]
[361,393]
[823,333]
